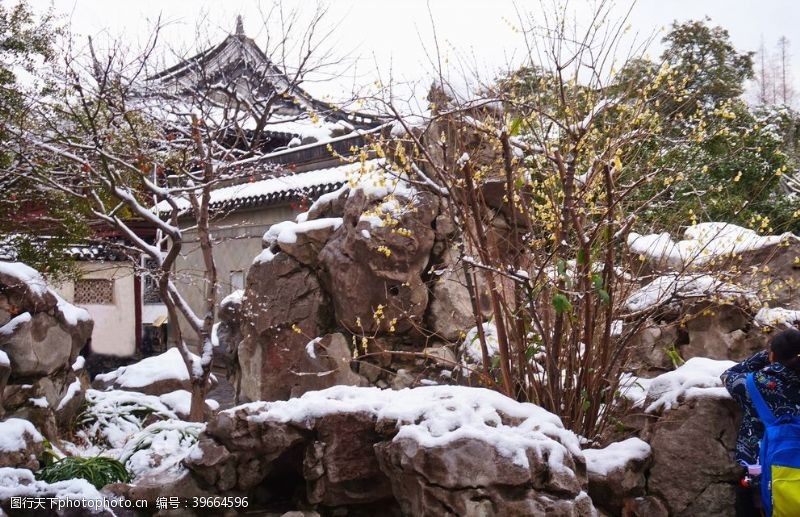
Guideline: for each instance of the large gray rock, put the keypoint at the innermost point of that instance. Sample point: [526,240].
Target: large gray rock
[617,473]
[693,472]
[41,336]
[470,477]
[365,265]
[347,448]
[284,309]
[37,345]
[450,313]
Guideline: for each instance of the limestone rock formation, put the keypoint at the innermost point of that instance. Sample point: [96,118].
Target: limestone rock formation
[371,262]
[41,337]
[693,471]
[284,312]
[426,451]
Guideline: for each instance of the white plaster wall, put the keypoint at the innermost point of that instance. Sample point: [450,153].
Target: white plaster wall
[114,325]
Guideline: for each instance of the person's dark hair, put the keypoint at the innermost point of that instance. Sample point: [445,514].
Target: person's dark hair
[786,348]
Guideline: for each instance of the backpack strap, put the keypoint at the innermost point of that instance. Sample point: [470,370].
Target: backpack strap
[764,414]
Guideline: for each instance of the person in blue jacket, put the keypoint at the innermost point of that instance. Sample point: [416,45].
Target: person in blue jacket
[778,380]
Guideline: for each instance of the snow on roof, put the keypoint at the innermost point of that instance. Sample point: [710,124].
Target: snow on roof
[15,433]
[697,377]
[616,456]
[436,416]
[272,189]
[702,243]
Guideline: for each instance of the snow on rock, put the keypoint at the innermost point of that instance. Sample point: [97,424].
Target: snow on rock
[22,483]
[697,377]
[666,287]
[777,317]
[163,373]
[472,344]
[72,390]
[9,328]
[311,347]
[615,456]
[702,243]
[234,298]
[286,232]
[79,363]
[160,448]
[634,389]
[25,275]
[15,433]
[4,360]
[72,314]
[434,416]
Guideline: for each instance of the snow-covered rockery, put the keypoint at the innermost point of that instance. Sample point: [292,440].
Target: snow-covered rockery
[421,448]
[701,244]
[41,337]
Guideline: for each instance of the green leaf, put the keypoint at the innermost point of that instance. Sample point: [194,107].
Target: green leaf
[515,126]
[561,304]
[581,258]
[604,296]
[561,267]
[597,281]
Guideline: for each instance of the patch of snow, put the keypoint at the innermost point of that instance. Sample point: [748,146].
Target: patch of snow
[79,363]
[160,448]
[472,344]
[13,432]
[26,275]
[435,416]
[72,390]
[10,327]
[311,347]
[39,402]
[149,370]
[634,388]
[702,243]
[697,377]
[616,328]
[72,314]
[286,232]
[777,317]
[235,298]
[214,335]
[4,360]
[22,483]
[265,256]
[615,456]
[664,288]
[116,415]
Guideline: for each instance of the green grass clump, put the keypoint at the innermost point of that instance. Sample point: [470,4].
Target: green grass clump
[97,470]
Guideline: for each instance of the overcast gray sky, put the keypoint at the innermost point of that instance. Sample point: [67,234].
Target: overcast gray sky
[396,33]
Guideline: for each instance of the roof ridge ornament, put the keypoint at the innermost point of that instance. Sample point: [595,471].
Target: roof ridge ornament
[239,26]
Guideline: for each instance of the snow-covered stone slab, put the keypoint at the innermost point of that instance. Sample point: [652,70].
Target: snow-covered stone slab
[156,375]
[697,377]
[20,444]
